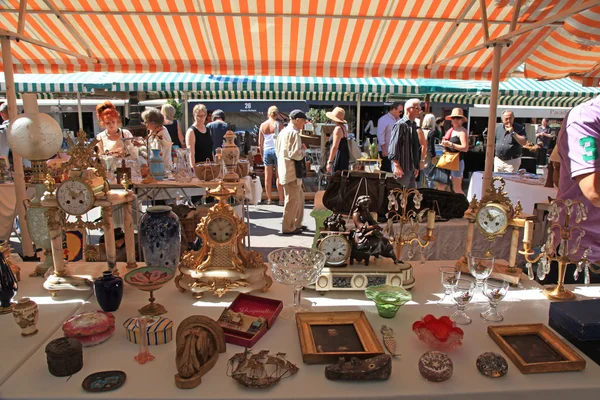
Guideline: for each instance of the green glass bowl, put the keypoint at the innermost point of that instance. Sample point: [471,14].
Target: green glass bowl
[388,299]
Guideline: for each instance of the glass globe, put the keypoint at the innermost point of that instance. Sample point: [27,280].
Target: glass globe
[35,136]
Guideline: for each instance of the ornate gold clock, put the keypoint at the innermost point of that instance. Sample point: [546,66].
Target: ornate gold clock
[493,214]
[223,263]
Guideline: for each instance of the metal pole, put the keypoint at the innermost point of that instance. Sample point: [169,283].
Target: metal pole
[491,136]
[19,176]
[358,119]
[185,112]
[79,113]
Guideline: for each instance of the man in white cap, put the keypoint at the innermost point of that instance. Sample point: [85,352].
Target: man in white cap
[288,149]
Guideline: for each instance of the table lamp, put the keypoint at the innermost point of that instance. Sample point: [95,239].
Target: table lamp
[36,137]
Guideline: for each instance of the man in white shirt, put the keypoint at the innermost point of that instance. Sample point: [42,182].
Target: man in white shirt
[289,148]
[384,133]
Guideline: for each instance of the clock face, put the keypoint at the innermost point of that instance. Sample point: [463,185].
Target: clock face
[220,230]
[75,197]
[492,219]
[336,249]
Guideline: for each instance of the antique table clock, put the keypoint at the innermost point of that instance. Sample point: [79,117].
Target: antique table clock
[222,264]
[493,214]
[336,248]
[85,188]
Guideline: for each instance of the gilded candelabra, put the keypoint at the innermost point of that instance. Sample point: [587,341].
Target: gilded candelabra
[403,226]
[561,252]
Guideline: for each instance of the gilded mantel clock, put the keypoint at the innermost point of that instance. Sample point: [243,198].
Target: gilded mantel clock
[493,214]
[222,264]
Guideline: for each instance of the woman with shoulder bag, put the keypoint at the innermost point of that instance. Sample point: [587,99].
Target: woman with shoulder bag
[456,141]
[434,178]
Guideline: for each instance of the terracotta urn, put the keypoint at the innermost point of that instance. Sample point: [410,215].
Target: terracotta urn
[26,313]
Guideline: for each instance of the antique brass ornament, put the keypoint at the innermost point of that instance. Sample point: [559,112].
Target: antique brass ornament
[222,264]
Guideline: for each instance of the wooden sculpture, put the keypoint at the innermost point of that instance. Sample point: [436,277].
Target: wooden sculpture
[199,341]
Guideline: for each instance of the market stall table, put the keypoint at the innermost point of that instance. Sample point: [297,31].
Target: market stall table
[527,191]
[154,380]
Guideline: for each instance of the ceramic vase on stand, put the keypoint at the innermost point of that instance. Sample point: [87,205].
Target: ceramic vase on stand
[8,286]
[182,172]
[230,154]
[157,165]
[26,313]
[38,229]
[160,237]
[109,291]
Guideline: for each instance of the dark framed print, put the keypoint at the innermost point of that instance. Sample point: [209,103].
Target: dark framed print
[327,336]
[534,348]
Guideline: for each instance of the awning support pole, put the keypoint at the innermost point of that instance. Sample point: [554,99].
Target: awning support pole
[185,111]
[79,113]
[19,176]
[358,119]
[491,135]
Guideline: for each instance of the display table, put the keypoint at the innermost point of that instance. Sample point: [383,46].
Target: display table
[154,380]
[528,194]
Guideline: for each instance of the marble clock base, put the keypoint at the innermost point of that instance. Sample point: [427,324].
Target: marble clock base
[220,282]
[55,284]
[359,276]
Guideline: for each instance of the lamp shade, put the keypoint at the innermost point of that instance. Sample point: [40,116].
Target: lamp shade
[33,135]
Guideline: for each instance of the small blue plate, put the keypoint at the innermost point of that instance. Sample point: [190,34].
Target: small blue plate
[104,381]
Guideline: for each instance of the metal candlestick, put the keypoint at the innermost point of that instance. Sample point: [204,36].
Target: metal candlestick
[403,226]
[561,253]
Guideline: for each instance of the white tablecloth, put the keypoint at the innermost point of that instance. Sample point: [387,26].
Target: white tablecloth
[517,191]
[154,380]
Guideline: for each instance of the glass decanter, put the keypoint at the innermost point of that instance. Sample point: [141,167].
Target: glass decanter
[182,172]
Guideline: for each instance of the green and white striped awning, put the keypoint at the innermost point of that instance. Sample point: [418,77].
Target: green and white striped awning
[270,95]
[83,82]
[262,84]
[461,98]
[555,88]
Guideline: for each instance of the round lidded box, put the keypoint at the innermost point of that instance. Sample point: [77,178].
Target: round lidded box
[65,356]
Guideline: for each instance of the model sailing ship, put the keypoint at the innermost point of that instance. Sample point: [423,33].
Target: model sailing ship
[259,370]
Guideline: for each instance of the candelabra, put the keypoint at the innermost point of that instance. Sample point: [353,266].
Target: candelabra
[403,226]
[561,252]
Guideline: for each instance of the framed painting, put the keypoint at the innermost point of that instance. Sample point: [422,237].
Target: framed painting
[534,348]
[327,336]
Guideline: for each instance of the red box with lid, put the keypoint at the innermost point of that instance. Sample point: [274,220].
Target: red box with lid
[253,306]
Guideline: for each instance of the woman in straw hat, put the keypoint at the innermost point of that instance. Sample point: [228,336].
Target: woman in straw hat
[339,155]
[454,141]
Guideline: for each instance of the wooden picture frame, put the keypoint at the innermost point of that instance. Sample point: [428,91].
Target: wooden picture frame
[327,336]
[534,348]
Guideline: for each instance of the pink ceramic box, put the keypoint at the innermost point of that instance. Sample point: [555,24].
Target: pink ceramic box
[253,306]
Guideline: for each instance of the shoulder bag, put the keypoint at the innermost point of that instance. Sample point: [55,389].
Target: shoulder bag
[449,160]
[300,166]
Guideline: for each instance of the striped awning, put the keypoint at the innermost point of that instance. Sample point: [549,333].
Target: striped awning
[83,82]
[312,38]
[461,98]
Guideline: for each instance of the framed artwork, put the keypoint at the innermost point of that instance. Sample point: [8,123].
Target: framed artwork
[534,348]
[327,336]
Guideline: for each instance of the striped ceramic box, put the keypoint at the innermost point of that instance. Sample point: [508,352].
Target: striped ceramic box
[159,332]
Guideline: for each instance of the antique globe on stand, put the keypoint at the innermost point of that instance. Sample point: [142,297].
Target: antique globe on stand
[36,137]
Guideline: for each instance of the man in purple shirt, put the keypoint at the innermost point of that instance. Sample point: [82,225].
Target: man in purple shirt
[579,180]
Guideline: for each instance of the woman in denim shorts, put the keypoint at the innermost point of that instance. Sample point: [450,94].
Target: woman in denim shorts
[456,140]
[266,141]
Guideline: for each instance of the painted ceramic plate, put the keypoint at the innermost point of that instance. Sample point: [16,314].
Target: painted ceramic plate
[149,278]
[104,381]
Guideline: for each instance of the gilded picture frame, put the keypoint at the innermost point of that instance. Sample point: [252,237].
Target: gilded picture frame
[534,348]
[327,336]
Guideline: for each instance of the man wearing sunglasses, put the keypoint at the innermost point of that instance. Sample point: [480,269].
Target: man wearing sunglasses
[405,145]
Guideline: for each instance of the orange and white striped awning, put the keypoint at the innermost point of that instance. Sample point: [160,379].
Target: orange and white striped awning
[332,38]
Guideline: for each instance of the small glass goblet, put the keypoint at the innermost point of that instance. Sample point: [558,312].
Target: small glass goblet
[462,293]
[449,277]
[481,265]
[494,291]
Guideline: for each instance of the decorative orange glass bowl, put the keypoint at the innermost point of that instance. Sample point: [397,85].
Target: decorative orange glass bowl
[440,334]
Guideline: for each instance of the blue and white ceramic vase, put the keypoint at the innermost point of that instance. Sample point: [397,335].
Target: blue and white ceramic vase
[109,291]
[157,165]
[160,237]
[8,286]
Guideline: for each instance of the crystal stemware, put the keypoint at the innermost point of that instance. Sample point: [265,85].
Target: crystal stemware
[481,265]
[494,291]
[298,267]
[449,277]
[462,293]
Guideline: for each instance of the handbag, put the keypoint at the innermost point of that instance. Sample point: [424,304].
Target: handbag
[300,166]
[345,186]
[450,161]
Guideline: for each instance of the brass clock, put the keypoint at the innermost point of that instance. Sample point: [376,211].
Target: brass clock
[336,249]
[495,212]
[76,195]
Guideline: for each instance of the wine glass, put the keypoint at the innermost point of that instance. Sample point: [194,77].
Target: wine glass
[299,267]
[494,291]
[481,265]
[449,277]
[462,293]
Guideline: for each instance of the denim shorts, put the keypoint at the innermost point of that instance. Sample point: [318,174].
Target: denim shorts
[461,170]
[269,158]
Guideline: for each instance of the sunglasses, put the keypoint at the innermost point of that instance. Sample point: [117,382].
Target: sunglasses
[457,117]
